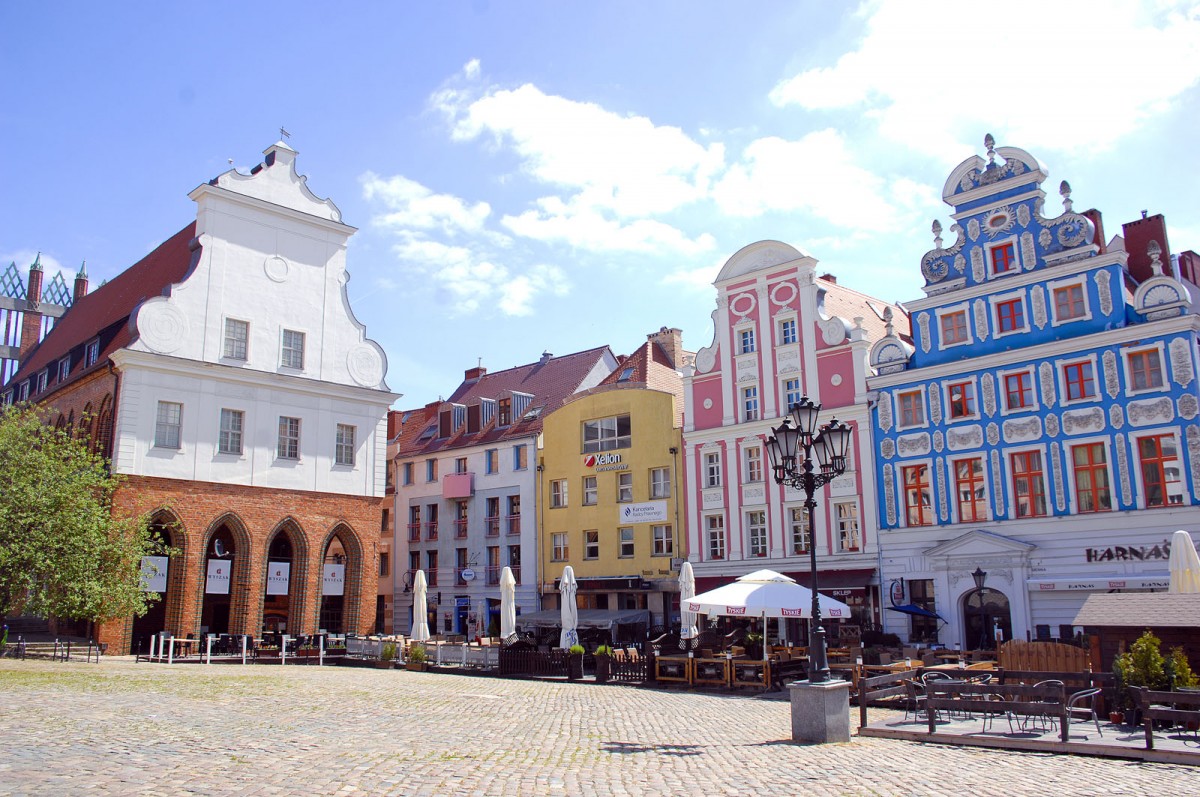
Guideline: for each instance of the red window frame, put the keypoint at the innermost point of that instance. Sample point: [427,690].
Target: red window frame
[1010,315]
[1068,302]
[961,405]
[1092,491]
[1141,372]
[968,484]
[954,327]
[1029,483]
[1004,258]
[912,408]
[1079,381]
[1020,387]
[917,512]
[1155,480]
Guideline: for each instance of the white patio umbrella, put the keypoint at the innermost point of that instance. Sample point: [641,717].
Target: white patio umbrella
[508,603]
[420,622]
[1184,564]
[567,588]
[765,593]
[687,590]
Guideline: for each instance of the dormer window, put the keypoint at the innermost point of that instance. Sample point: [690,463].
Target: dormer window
[91,352]
[43,379]
[64,369]
[23,391]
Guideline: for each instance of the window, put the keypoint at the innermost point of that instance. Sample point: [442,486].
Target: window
[627,546]
[849,538]
[712,470]
[237,333]
[491,460]
[344,446]
[591,544]
[664,541]
[961,399]
[1145,369]
[167,424]
[912,408]
[43,379]
[431,521]
[520,458]
[746,341]
[954,328]
[756,530]
[288,445]
[791,392]
[1018,390]
[624,487]
[431,470]
[1069,302]
[431,566]
[922,628]
[787,331]
[514,514]
[626,374]
[229,440]
[1029,485]
[560,549]
[91,353]
[558,493]
[750,403]
[1091,477]
[408,473]
[606,434]
[798,521]
[23,391]
[491,517]
[1159,460]
[660,483]
[715,527]
[293,349]
[505,414]
[969,487]
[1004,258]
[383,564]
[64,369]
[589,490]
[460,465]
[1078,381]
[754,470]
[917,498]
[1010,316]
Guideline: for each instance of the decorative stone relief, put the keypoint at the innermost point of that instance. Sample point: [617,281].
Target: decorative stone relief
[978,271]
[987,385]
[1116,416]
[885,411]
[754,494]
[1123,471]
[964,437]
[1023,430]
[1112,384]
[1037,303]
[713,499]
[1045,237]
[1104,288]
[1181,362]
[981,319]
[1056,469]
[1028,253]
[276,268]
[1023,215]
[887,448]
[993,434]
[943,511]
[835,379]
[939,441]
[1189,407]
[973,229]
[1080,421]
[935,404]
[365,365]
[162,327]
[833,330]
[783,293]
[889,494]
[1193,445]
[787,361]
[913,444]
[960,263]
[1051,422]
[743,304]
[997,484]
[1046,376]
[923,324]
[747,368]
[1148,411]
[708,404]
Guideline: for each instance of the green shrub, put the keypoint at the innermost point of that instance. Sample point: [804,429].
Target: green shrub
[575,650]
[1179,672]
[1142,666]
[417,654]
[389,652]
[603,650]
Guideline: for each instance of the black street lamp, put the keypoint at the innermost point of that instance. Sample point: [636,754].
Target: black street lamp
[799,432]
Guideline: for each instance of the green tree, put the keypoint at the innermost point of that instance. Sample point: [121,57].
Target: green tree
[63,551]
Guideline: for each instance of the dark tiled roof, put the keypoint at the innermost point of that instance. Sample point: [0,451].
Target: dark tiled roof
[105,312]
[1141,610]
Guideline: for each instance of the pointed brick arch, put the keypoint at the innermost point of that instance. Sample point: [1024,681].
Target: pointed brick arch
[298,622]
[239,587]
[177,539]
[356,565]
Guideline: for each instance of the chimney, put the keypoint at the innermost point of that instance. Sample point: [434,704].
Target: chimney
[81,283]
[1093,216]
[1188,267]
[671,341]
[1138,235]
[828,278]
[31,319]
[474,374]
[546,357]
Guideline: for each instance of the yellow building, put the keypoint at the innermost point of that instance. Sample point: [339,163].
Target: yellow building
[610,500]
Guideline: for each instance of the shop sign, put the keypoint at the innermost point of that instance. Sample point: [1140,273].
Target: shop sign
[1130,553]
[604,462]
[217,582]
[1101,584]
[467,574]
[645,512]
[154,574]
[278,574]
[334,580]
[896,592]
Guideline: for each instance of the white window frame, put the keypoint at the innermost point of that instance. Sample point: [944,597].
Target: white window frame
[1002,390]
[284,349]
[591,544]
[608,435]
[848,526]
[999,299]
[751,406]
[1069,446]
[798,521]
[758,544]
[781,323]
[91,352]
[227,339]
[64,368]
[784,392]
[560,546]
[628,543]
[1054,285]
[714,529]
[1136,466]
[344,447]
[997,244]
[43,380]
[954,309]
[712,470]
[287,445]
[743,335]
[165,428]
[624,487]
[558,493]
[660,482]
[1060,368]
[23,391]
[899,416]
[934,519]
[590,491]
[1010,487]
[952,486]
[973,381]
[662,540]
[752,456]
[227,435]
[1126,355]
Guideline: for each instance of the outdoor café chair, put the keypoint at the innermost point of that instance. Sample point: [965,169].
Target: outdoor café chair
[1082,705]
[915,700]
[989,715]
[1043,721]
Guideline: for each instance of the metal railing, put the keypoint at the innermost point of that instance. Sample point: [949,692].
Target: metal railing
[492,526]
[460,529]
[514,524]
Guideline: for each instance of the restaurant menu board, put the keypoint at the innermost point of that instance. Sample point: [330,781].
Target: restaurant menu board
[335,579]
[154,574]
[278,574]
[218,576]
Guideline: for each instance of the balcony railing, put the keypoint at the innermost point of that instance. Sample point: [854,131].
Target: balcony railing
[514,524]
[431,530]
[414,532]
[493,526]
[460,529]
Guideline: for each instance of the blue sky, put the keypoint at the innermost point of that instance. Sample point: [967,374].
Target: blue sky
[532,176]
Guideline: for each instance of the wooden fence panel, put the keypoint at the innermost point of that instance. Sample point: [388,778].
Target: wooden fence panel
[1043,657]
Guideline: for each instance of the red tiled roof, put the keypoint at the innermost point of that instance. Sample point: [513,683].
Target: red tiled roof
[850,304]
[105,311]
[651,368]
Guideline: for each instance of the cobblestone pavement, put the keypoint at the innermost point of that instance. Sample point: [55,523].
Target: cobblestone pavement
[125,728]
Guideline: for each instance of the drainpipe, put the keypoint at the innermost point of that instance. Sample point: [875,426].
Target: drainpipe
[539,530]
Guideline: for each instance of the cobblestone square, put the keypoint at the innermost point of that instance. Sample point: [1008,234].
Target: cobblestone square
[125,728]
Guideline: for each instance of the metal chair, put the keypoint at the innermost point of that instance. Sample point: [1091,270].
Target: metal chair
[1042,722]
[1082,705]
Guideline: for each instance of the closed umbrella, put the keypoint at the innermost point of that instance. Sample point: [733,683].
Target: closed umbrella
[687,590]
[567,588]
[420,623]
[1184,564]
[508,603]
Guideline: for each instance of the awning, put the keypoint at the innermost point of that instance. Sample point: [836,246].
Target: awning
[1101,584]
[918,611]
[607,619]
[826,579]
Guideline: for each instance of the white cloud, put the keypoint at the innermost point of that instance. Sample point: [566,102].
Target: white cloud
[411,205]
[555,221]
[1043,74]
[698,280]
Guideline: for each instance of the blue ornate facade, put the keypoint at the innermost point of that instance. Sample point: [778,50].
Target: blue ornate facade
[1041,423]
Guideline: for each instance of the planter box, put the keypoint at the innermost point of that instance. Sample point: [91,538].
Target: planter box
[417,666]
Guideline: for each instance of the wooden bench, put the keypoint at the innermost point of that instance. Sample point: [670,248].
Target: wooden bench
[1166,706]
[1012,699]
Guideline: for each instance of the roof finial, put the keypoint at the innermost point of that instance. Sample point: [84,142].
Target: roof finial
[1155,252]
[1065,190]
[82,274]
[937,234]
[36,265]
[887,319]
[284,134]
[990,144]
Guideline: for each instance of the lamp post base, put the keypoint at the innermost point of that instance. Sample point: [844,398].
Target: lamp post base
[820,712]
